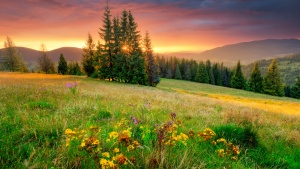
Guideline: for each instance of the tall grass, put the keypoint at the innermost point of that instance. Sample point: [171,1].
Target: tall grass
[36,110]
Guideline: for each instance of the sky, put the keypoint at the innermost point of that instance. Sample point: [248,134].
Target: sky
[174,25]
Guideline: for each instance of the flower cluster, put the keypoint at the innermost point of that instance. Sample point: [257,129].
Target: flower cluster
[72,87]
[124,144]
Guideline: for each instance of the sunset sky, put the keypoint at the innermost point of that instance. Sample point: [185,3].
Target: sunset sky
[174,25]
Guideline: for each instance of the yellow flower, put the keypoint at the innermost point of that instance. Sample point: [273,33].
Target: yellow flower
[107,140]
[103,161]
[70,132]
[222,140]
[105,154]
[68,142]
[236,150]
[214,143]
[221,153]
[96,142]
[234,158]
[82,144]
[113,134]
[184,136]
[116,150]
[136,143]
[130,147]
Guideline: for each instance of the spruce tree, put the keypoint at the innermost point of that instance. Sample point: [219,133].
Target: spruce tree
[151,67]
[295,89]
[12,60]
[44,62]
[178,73]
[216,69]
[272,83]
[62,65]
[136,72]
[88,56]
[238,81]
[188,73]
[210,73]
[202,74]
[106,57]
[255,81]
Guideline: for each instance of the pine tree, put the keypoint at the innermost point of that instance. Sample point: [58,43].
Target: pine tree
[202,74]
[136,72]
[210,73]
[178,73]
[62,65]
[272,83]
[151,67]
[106,57]
[238,81]
[217,74]
[255,81]
[74,69]
[194,67]
[12,60]
[45,63]
[88,56]
[295,89]
[188,73]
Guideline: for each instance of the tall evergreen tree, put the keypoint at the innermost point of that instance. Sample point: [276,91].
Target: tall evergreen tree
[45,63]
[188,73]
[272,83]
[238,81]
[178,73]
[12,60]
[210,73]
[255,81]
[74,69]
[202,74]
[137,73]
[216,69]
[88,56]
[106,57]
[62,65]
[194,67]
[295,89]
[151,67]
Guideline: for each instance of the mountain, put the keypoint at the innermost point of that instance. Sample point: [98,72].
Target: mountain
[289,67]
[30,56]
[248,52]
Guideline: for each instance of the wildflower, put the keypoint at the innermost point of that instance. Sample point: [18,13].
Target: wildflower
[107,140]
[135,121]
[105,154]
[68,142]
[70,132]
[214,143]
[93,128]
[135,143]
[235,150]
[184,136]
[82,144]
[234,158]
[96,142]
[207,134]
[221,140]
[121,159]
[116,150]
[130,147]
[106,164]
[221,153]
[113,135]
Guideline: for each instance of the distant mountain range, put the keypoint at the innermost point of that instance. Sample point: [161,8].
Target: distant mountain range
[246,52]
[30,56]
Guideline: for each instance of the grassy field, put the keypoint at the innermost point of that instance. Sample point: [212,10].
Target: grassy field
[101,124]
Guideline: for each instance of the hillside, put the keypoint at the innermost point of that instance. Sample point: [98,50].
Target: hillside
[248,52]
[30,56]
[289,67]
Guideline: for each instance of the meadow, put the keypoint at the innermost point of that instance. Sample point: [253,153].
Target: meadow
[54,121]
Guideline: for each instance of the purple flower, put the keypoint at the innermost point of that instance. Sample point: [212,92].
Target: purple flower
[68,85]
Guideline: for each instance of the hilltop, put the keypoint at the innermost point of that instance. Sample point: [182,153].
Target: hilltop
[289,67]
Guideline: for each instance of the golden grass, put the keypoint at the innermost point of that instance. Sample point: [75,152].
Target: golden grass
[30,76]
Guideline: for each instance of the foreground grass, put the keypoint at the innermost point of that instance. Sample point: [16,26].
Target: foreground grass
[36,109]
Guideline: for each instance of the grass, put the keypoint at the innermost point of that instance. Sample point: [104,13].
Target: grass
[37,109]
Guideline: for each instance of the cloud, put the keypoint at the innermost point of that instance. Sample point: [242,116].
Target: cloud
[169,21]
